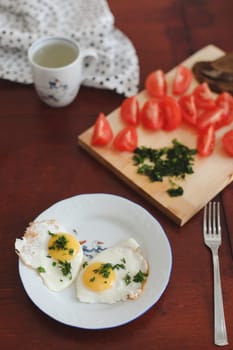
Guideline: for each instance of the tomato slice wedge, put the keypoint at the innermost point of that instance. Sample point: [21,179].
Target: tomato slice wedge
[225,102]
[171,113]
[182,80]
[203,96]
[215,117]
[156,85]
[227,141]
[129,111]
[150,115]
[126,139]
[206,141]
[102,133]
[188,109]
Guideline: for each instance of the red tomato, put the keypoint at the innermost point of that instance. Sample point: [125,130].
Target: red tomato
[188,109]
[203,96]
[182,80]
[151,117]
[171,113]
[227,140]
[130,110]
[225,101]
[102,133]
[156,85]
[126,139]
[215,117]
[206,141]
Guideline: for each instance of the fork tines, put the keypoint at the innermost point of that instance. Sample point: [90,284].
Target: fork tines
[211,223]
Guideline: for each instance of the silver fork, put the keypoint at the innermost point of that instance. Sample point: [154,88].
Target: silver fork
[212,238]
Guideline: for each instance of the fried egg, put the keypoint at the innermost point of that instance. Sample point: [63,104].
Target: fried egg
[55,254]
[116,274]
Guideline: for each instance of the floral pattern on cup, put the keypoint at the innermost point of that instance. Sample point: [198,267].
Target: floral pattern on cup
[55,91]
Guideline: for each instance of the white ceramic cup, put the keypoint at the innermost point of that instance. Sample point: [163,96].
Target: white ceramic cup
[59,67]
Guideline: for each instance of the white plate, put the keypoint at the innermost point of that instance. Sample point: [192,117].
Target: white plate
[110,219]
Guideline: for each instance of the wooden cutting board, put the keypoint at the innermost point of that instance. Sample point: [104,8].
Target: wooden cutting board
[210,176]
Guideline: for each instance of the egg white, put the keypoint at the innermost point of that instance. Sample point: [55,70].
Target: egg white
[32,249]
[128,253]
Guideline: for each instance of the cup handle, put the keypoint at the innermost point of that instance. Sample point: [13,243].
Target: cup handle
[89,61]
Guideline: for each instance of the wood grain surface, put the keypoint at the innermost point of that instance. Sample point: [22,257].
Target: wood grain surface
[198,188]
[41,164]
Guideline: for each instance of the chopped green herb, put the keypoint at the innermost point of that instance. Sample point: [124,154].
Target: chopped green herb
[71,251]
[85,264]
[123,260]
[65,267]
[127,279]
[118,266]
[41,269]
[175,192]
[176,161]
[60,243]
[92,279]
[140,277]
[105,270]
[54,263]
[51,233]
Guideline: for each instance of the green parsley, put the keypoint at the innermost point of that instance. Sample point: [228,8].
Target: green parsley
[105,269]
[65,268]
[51,233]
[85,264]
[175,192]
[71,251]
[140,277]
[176,161]
[118,266]
[60,243]
[127,279]
[75,231]
[41,269]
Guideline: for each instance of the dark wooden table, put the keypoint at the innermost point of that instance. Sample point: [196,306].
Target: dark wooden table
[41,164]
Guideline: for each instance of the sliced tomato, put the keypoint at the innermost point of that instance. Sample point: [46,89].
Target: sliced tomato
[126,139]
[206,141]
[215,117]
[171,113]
[102,133]
[130,110]
[225,102]
[182,80]
[156,85]
[227,141]
[151,117]
[188,109]
[203,96]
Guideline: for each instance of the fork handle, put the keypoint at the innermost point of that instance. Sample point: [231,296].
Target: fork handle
[220,334]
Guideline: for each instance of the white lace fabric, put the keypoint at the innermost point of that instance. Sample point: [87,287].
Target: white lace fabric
[89,22]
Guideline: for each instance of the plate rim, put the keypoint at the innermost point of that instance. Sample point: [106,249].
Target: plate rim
[102,196]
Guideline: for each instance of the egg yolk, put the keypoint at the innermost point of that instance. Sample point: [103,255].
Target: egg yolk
[63,247]
[99,276]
